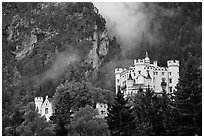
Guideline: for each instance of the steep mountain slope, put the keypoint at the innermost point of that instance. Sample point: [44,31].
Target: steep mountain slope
[52,36]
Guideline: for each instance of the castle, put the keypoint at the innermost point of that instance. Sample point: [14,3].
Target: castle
[46,108]
[144,74]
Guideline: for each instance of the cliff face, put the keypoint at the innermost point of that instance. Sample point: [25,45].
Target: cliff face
[38,41]
[99,49]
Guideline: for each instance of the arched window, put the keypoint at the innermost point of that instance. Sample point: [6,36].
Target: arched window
[46,110]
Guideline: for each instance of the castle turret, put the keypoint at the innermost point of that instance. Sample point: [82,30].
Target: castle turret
[118,72]
[148,80]
[173,74]
[147,60]
[130,81]
[155,63]
[38,103]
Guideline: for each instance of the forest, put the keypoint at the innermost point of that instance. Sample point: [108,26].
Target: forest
[48,49]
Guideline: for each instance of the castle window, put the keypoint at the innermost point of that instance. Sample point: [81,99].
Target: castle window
[170,80]
[170,89]
[118,80]
[162,73]
[133,74]
[169,73]
[139,71]
[46,110]
[156,73]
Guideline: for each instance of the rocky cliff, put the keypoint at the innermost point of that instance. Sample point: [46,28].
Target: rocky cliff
[52,38]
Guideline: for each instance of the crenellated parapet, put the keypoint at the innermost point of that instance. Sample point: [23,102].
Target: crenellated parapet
[38,99]
[173,63]
[119,70]
[138,62]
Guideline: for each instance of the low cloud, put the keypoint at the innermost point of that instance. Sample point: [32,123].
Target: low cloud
[133,22]
[61,63]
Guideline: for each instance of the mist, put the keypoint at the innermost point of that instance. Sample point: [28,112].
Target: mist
[61,63]
[133,22]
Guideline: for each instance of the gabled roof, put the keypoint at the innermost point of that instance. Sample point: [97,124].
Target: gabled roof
[140,75]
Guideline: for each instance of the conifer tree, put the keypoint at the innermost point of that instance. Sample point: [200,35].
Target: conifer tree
[62,115]
[120,117]
[189,100]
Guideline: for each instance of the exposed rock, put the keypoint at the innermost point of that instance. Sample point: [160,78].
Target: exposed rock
[27,47]
[100,48]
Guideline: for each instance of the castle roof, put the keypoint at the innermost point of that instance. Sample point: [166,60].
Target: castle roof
[130,77]
[140,75]
[148,76]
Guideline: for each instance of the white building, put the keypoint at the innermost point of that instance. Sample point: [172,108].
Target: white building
[144,74]
[102,110]
[44,108]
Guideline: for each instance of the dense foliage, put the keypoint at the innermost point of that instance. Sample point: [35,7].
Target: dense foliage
[86,122]
[120,117]
[189,100]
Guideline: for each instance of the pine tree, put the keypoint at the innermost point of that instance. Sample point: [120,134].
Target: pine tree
[189,100]
[120,118]
[62,115]
[147,108]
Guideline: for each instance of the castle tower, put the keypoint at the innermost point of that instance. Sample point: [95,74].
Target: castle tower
[130,81]
[148,80]
[147,60]
[118,72]
[38,103]
[173,74]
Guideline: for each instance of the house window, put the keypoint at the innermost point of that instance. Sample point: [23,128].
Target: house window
[156,73]
[139,71]
[162,73]
[169,73]
[170,80]
[170,89]
[118,80]
[46,110]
